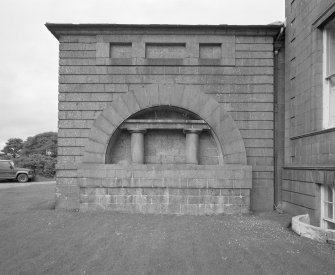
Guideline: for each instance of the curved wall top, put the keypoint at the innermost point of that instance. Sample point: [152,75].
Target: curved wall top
[221,123]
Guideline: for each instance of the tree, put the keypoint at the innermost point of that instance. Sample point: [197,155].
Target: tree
[38,152]
[43,144]
[13,147]
[43,165]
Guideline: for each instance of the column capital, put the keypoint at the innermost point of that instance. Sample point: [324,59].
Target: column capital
[192,131]
[134,130]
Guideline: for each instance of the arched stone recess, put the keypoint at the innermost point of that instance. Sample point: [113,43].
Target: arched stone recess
[223,127]
[166,188]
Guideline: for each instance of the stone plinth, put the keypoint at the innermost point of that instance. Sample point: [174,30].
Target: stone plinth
[166,189]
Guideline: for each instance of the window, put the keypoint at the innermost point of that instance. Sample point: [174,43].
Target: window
[328,207]
[4,165]
[329,75]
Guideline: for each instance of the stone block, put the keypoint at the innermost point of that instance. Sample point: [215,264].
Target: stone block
[152,191]
[214,192]
[177,199]
[94,158]
[164,208]
[189,209]
[120,107]
[209,209]
[173,208]
[144,182]
[152,208]
[98,135]
[105,125]
[76,54]
[89,182]
[208,108]
[190,192]
[254,47]
[77,47]
[219,209]
[172,182]
[171,94]
[235,200]
[197,183]
[153,96]
[66,173]
[174,191]
[139,92]
[111,182]
[194,199]
[131,102]
[232,209]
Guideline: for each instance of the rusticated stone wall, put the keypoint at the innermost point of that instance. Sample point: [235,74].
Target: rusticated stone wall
[223,74]
[166,189]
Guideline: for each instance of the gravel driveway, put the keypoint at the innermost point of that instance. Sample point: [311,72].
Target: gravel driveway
[35,239]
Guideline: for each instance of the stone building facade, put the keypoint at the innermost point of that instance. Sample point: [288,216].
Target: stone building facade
[168,118]
[309,162]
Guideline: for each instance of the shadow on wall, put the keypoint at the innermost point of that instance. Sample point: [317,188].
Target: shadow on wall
[163,146]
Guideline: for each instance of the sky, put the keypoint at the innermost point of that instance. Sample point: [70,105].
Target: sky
[29,52]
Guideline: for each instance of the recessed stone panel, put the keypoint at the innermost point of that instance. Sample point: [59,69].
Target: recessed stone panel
[210,51]
[165,50]
[121,50]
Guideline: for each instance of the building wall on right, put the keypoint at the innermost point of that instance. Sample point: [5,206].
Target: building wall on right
[309,143]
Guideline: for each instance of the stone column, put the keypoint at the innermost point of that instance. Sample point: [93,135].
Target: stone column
[192,146]
[137,145]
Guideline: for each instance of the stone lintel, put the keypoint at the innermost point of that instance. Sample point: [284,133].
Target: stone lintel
[173,124]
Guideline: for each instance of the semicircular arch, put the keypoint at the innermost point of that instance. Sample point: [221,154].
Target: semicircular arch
[213,113]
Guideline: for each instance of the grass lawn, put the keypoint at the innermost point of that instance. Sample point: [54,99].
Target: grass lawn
[35,239]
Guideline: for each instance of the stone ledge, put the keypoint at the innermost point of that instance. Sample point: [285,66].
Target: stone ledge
[187,176]
[163,182]
[301,225]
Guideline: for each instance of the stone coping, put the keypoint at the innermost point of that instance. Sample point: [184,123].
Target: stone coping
[59,29]
[301,225]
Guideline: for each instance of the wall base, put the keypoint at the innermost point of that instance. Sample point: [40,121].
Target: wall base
[166,189]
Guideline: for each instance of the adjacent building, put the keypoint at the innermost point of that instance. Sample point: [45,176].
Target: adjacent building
[308,172]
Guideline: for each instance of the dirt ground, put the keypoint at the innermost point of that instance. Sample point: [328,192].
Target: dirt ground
[35,239]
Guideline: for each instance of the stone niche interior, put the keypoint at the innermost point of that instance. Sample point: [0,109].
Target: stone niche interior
[164,131]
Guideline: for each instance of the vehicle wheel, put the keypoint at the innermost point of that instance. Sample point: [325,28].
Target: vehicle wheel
[22,178]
